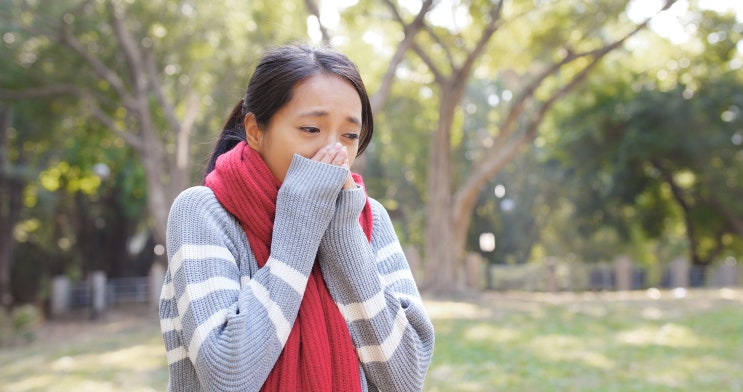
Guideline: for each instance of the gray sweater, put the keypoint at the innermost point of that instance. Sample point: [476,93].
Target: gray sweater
[225,321]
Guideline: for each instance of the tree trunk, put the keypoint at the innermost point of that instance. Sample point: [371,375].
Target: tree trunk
[158,199]
[11,185]
[441,274]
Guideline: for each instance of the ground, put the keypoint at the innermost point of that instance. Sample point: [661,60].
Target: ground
[507,341]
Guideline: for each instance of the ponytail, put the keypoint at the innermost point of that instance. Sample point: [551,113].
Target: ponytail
[233,132]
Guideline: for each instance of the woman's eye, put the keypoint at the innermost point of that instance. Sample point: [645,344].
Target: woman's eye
[353,136]
[310,129]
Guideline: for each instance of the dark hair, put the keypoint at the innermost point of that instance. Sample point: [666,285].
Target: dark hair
[272,84]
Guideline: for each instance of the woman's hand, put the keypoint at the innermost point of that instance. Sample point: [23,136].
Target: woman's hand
[336,154]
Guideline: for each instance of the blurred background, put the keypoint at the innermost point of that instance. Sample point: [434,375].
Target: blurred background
[547,146]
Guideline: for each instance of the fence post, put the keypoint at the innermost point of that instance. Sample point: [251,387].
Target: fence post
[623,267]
[551,269]
[60,298]
[679,273]
[155,283]
[727,274]
[98,298]
[474,269]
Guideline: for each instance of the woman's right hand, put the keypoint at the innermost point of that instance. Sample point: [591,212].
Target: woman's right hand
[334,154]
[337,155]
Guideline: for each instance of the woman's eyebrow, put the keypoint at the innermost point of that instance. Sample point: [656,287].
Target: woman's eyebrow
[323,113]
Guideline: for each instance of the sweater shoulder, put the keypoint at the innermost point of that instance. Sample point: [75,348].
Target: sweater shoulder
[379,212]
[197,214]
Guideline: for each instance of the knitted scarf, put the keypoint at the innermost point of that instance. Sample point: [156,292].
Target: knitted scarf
[319,354]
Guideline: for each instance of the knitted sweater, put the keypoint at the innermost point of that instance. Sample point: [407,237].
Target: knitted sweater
[225,321]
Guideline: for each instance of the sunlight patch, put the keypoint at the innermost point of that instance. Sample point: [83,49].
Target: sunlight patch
[488,333]
[670,335]
[565,348]
[442,310]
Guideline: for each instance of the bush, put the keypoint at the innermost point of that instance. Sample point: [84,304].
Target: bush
[18,325]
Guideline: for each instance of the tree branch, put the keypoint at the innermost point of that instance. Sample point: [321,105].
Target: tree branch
[131,139]
[437,74]
[506,147]
[129,47]
[157,89]
[314,10]
[65,36]
[487,34]
[49,90]
[377,101]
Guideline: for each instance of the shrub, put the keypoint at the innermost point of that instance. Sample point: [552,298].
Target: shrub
[17,325]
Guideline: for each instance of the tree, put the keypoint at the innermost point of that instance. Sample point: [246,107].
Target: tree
[452,57]
[10,206]
[148,76]
[660,154]
[153,77]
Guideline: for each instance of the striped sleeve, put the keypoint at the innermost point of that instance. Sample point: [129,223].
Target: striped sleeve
[378,297]
[223,328]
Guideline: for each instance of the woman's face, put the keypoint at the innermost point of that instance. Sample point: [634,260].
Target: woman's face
[324,110]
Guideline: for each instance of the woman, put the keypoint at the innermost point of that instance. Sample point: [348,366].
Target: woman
[283,275]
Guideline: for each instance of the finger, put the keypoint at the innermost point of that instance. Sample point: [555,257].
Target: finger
[321,154]
[340,157]
[331,151]
[350,183]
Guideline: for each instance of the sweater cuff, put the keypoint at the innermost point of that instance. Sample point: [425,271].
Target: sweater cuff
[348,208]
[314,180]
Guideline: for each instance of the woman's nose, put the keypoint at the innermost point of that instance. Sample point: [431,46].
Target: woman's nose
[331,139]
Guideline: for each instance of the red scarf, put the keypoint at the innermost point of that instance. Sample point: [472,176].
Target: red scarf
[319,354]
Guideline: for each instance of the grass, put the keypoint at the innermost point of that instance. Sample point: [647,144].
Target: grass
[497,341]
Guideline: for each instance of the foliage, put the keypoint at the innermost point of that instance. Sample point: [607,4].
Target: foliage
[73,77]
[17,326]
[579,169]
[658,159]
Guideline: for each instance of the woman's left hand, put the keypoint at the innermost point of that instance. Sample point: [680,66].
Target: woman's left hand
[337,155]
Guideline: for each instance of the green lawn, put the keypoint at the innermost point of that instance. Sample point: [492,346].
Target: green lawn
[499,341]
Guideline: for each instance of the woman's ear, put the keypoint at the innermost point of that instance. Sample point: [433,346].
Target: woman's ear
[253,132]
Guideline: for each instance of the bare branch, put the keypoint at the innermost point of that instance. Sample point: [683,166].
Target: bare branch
[49,90]
[487,34]
[137,73]
[157,89]
[314,10]
[66,37]
[411,30]
[440,78]
[437,39]
[131,139]
[505,148]
[184,133]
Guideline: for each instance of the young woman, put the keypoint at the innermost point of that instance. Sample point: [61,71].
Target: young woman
[283,274]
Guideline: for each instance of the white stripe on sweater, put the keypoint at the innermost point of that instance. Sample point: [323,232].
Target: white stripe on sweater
[393,277]
[280,323]
[389,250]
[202,332]
[198,253]
[171,324]
[202,289]
[288,274]
[193,253]
[196,291]
[176,355]
[383,352]
[364,310]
